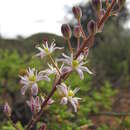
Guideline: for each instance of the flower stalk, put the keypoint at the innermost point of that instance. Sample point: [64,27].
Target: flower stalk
[69,46]
[81,28]
[53,62]
[78,44]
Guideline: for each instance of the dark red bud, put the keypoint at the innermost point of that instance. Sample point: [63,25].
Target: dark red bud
[77,12]
[66,31]
[91,27]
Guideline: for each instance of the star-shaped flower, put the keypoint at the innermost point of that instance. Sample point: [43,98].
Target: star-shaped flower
[46,50]
[30,80]
[75,64]
[68,95]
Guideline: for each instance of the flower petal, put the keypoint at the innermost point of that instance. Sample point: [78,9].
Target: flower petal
[83,68]
[63,90]
[73,104]
[76,90]
[80,72]
[23,89]
[34,89]
[64,100]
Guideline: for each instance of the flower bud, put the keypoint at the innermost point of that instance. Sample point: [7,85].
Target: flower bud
[66,31]
[50,101]
[97,5]
[77,12]
[121,3]
[91,27]
[77,32]
[34,104]
[7,109]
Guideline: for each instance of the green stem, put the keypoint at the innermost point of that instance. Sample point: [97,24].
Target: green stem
[53,62]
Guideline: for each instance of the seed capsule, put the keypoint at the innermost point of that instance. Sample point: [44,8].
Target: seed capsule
[77,12]
[97,5]
[91,27]
[77,32]
[66,31]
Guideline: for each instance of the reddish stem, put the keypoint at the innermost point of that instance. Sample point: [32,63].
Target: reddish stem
[81,29]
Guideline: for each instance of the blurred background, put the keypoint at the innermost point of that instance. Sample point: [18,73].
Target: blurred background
[106,95]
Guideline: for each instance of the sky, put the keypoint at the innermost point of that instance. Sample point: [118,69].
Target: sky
[26,17]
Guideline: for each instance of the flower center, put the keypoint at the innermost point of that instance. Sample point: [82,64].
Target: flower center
[32,78]
[75,63]
[46,50]
[70,93]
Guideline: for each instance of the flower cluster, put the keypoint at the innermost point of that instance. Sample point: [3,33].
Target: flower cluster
[31,78]
[76,61]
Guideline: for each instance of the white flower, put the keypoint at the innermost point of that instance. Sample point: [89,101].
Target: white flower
[75,64]
[46,50]
[68,95]
[53,70]
[30,80]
